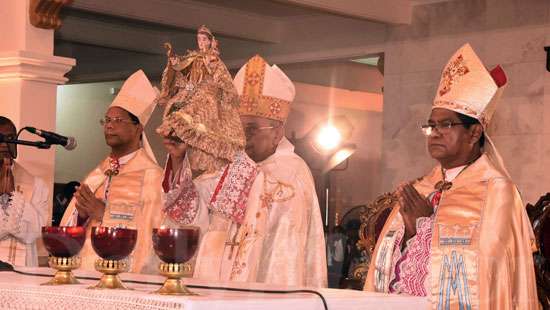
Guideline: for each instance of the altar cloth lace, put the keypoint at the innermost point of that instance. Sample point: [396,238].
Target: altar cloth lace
[70,298]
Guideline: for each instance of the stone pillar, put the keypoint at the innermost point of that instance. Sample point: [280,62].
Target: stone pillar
[29,75]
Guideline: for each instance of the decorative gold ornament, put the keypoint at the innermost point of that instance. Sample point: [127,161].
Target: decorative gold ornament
[174,284]
[443,185]
[45,13]
[64,267]
[110,270]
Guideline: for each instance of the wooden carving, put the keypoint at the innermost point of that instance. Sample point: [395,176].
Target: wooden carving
[45,13]
[539,214]
[372,217]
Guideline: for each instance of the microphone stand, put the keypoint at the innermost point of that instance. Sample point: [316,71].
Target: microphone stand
[37,144]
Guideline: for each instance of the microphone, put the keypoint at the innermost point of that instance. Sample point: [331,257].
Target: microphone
[69,143]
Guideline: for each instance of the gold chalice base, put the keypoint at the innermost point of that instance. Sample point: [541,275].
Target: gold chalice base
[110,270]
[63,265]
[174,285]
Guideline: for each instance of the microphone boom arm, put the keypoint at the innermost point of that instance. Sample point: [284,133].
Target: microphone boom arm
[37,144]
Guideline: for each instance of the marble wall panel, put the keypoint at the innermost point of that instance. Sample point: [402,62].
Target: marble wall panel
[416,56]
[515,45]
[518,115]
[393,56]
[418,29]
[514,13]
[522,157]
[456,17]
[544,180]
[392,105]
[525,79]
[442,19]
[546,107]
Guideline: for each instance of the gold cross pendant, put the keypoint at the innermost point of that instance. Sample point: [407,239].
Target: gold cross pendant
[443,185]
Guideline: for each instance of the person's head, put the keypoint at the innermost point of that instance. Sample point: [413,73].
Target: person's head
[204,39]
[204,42]
[262,136]
[70,189]
[266,94]
[122,130]
[8,130]
[453,139]
[174,146]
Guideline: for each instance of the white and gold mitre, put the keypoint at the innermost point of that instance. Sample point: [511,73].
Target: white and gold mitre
[467,87]
[137,96]
[264,90]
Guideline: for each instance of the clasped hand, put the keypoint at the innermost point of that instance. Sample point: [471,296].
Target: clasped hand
[413,206]
[87,204]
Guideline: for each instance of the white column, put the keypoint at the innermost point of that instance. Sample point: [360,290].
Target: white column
[29,75]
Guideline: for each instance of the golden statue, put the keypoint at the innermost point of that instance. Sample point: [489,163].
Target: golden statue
[201,104]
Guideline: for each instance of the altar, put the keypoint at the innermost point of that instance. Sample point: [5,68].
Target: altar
[21,289]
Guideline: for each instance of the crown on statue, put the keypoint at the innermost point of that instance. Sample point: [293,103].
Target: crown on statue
[204,30]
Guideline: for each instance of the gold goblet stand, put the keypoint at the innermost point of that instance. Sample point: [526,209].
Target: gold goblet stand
[174,284]
[110,270]
[63,265]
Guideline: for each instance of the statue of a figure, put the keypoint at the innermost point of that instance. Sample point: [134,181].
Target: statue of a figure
[201,104]
[183,74]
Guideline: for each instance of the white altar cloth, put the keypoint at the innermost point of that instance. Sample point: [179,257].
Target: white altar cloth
[18,291]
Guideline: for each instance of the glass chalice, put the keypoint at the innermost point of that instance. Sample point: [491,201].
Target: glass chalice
[113,245]
[63,244]
[175,246]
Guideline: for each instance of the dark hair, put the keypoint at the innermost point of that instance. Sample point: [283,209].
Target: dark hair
[70,188]
[134,118]
[4,121]
[467,122]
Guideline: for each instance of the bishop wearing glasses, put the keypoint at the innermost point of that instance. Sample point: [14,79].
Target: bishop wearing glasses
[294,246]
[460,234]
[124,189]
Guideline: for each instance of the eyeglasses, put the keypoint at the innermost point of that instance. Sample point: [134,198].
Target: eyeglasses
[115,121]
[442,128]
[252,131]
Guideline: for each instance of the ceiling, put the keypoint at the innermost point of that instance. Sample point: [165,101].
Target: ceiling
[110,39]
[267,8]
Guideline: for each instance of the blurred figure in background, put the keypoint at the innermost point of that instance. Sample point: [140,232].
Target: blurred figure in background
[61,201]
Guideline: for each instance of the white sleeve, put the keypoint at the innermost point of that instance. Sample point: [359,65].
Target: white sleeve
[35,213]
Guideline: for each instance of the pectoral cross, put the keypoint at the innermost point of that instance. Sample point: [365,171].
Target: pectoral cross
[443,185]
[233,243]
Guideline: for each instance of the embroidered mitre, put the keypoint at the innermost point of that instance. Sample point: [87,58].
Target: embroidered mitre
[264,90]
[467,87]
[137,96]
